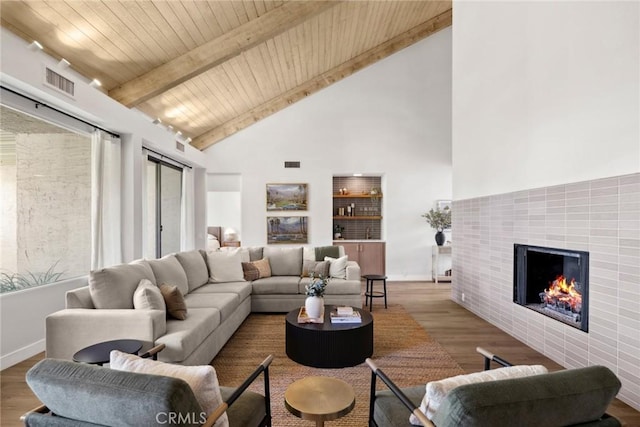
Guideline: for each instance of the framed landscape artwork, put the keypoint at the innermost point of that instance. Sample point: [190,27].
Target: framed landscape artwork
[287,229]
[286,197]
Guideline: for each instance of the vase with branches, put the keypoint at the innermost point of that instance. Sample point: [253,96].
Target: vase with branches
[439,219]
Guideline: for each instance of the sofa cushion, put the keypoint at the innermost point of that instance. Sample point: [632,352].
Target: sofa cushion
[227,303]
[113,287]
[195,267]
[183,337]
[148,297]
[324,251]
[255,253]
[389,410]
[248,410]
[169,270]
[315,268]
[563,398]
[338,267]
[438,390]
[284,261]
[242,289]
[225,266]
[174,300]
[276,285]
[93,394]
[202,379]
[335,286]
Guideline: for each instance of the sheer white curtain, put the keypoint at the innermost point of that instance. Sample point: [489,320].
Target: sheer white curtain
[187,211]
[106,243]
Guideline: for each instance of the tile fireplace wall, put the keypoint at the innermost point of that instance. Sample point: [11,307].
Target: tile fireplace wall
[600,216]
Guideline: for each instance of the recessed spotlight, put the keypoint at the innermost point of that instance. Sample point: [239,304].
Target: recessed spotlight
[178,134]
[35,45]
[170,128]
[357,174]
[95,83]
[64,63]
[188,140]
[157,121]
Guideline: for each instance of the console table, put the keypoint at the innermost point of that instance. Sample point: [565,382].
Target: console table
[437,252]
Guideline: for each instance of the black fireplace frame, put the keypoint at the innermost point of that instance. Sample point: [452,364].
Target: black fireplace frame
[520,270]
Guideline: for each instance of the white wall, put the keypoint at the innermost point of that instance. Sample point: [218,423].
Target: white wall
[391,119]
[544,93]
[22,70]
[546,151]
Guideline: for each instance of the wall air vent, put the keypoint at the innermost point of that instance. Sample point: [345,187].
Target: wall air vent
[180,146]
[292,164]
[59,82]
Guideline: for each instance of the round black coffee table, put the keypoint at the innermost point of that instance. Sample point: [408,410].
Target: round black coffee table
[329,345]
[98,354]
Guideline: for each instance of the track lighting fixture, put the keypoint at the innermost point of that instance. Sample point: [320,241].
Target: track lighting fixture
[35,46]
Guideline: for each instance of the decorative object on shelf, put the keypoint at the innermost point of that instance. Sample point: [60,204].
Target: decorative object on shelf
[440,219]
[287,197]
[337,231]
[314,304]
[376,193]
[287,229]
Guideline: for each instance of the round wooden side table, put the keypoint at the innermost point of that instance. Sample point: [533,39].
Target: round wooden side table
[319,399]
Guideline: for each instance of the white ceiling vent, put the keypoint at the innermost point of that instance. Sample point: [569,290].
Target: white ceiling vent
[180,146]
[59,82]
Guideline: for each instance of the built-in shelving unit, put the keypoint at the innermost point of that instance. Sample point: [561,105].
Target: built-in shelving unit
[356,211]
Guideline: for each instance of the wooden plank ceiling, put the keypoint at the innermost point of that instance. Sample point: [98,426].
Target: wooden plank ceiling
[212,68]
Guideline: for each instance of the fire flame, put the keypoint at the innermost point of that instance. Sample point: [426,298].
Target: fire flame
[559,290]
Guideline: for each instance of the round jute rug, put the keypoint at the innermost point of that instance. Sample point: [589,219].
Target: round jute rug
[402,349]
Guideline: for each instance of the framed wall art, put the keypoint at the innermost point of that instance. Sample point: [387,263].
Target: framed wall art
[287,197]
[287,229]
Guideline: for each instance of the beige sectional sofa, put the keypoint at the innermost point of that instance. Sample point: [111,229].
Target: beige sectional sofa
[217,298]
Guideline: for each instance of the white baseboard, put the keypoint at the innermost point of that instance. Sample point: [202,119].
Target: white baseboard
[412,278]
[21,354]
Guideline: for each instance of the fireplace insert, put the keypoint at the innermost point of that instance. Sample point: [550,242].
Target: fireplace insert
[554,282]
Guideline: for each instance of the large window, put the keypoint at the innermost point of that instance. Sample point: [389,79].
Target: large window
[45,188]
[163,208]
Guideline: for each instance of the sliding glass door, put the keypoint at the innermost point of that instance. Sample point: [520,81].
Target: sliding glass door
[163,198]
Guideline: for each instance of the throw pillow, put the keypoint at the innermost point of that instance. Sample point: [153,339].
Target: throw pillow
[148,297]
[250,271]
[317,268]
[225,266]
[438,390]
[263,267]
[176,305]
[338,267]
[330,251]
[203,380]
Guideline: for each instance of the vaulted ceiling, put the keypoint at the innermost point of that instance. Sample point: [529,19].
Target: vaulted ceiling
[212,68]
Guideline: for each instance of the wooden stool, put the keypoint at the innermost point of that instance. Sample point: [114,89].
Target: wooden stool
[369,293]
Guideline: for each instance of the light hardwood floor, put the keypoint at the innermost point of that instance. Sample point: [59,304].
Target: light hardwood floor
[455,328]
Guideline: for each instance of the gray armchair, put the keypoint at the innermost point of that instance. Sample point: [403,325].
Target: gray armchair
[76,394]
[572,397]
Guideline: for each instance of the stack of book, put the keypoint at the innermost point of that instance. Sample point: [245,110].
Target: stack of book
[345,315]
